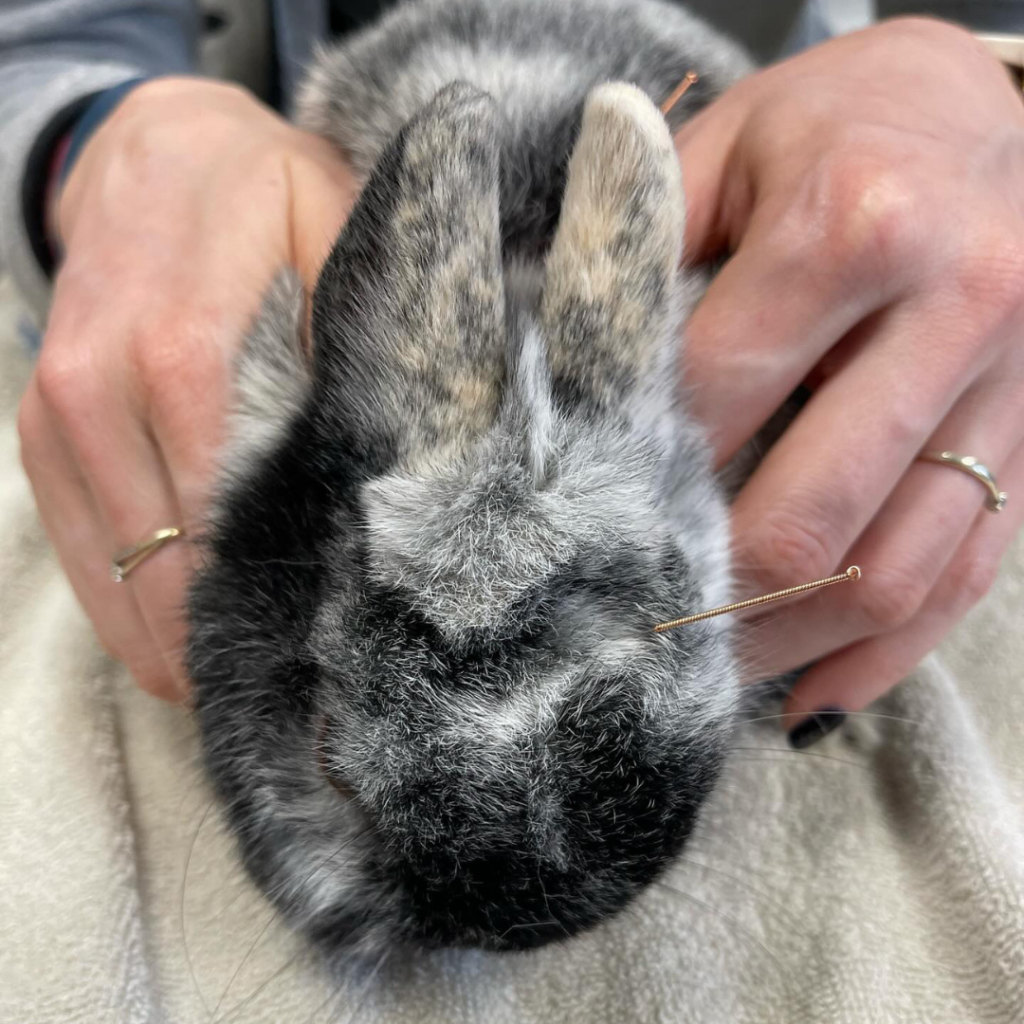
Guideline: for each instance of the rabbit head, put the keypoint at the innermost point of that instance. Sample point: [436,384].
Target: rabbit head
[426,677]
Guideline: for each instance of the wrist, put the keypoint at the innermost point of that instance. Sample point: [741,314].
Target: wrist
[54,177]
[38,179]
[97,109]
[58,149]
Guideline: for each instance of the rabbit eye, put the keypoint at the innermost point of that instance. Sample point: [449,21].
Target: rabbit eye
[322,763]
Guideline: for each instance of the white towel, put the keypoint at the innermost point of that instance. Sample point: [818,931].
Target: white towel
[877,877]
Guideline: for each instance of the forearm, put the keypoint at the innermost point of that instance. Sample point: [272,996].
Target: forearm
[53,54]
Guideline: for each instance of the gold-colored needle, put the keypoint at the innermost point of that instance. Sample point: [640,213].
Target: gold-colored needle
[678,92]
[853,573]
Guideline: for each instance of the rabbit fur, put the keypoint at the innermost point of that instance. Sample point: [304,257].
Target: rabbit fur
[425,678]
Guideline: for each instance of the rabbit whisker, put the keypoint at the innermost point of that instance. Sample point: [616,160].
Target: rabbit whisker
[791,756]
[232,1011]
[746,932]
[273,916]
[849,714]
[369,984]
[773,900]
[184,889]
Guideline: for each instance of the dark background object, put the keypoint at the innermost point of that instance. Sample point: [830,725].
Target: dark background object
[762,27]
[977,15]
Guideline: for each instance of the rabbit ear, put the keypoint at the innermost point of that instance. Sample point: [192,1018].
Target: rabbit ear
[609,297]
[408,314]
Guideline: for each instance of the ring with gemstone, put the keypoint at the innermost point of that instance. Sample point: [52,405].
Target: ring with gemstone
[968,464]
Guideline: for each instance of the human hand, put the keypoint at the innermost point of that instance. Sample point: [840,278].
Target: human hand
[872,192]
[174,220]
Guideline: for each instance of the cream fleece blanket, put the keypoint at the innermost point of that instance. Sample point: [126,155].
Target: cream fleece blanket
[878,877]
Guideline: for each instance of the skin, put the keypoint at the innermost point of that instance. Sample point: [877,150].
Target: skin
[869,193]
[125,413]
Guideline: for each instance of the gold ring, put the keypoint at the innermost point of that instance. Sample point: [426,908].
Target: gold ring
[968,464]
[124,561]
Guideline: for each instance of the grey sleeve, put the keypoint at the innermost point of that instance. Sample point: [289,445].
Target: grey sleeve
[52,54]
[977,15]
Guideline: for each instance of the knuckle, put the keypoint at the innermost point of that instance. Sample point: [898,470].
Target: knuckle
[64,380]
[889,598]
[173,363]
[865,213]
[909,419]
[793,544]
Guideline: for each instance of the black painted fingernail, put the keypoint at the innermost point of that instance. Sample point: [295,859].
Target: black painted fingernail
[812,729]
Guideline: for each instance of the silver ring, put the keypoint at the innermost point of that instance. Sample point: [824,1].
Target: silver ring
[996,500]
[124,561]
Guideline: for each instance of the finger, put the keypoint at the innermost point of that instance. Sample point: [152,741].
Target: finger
[182,366]
[73,524]
[854,677]
[774,310]
[824,481]
[816,258]
[910,542]
[184,360]
[716,185]
[133,515]
[125,477]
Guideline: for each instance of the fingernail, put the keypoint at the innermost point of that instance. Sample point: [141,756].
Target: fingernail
[812,729]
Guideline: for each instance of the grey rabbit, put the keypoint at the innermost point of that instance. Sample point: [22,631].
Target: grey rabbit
[428,690]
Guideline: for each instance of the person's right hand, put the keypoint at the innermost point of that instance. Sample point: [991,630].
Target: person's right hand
[174,220]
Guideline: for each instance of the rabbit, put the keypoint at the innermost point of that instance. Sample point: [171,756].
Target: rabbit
[425,678]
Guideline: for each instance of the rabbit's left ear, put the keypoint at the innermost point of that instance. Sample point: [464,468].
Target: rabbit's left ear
[408,314]
[609,301]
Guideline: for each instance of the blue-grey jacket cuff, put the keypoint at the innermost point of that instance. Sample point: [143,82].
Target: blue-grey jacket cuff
[63,87]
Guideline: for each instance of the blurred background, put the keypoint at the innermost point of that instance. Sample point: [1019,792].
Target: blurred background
[846,15]
[769,27]
[235,29]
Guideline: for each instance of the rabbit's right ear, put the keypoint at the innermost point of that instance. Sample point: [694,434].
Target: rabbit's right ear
[609,304]
[408,314]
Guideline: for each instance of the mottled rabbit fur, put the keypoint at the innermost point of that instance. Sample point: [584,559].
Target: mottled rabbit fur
[429,694]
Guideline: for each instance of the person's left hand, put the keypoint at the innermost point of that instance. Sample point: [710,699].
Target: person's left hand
[871,191]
